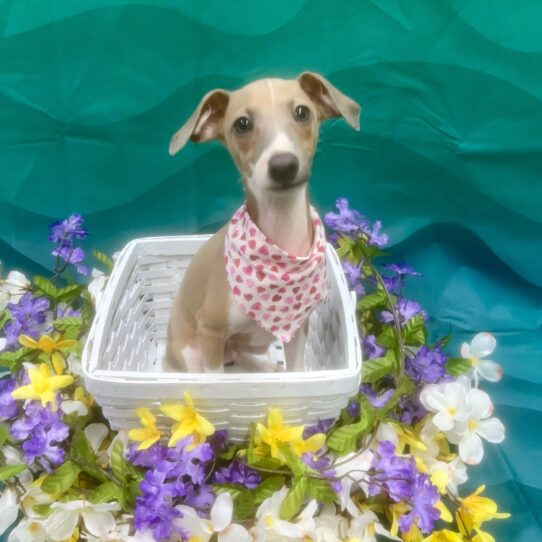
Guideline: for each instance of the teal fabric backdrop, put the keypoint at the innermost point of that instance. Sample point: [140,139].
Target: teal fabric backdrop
[449,156]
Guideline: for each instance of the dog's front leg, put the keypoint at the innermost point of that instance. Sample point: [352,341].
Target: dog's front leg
[294,351]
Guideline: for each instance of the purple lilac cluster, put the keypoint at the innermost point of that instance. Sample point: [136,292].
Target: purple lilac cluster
[405,309]
[174,476]
[398,478]
[371,349]
[64,232]
[8,405]
[28,317]
[41,431]
[353,277]
[237,473]
[352,223]
[426,366]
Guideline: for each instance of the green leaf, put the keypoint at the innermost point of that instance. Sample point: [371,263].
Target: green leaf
[267,488]
[375,369]
[103,259]
[228,454]
[244,506]
[4,317]
[81,448]
[344,439]
[405,387]
[10,470]
[292,460]
[4,434]
[234,490]
[293,501]
[107,492]
[62,479]
[457,366]
[345,246]
[42,510]
[118,463]
[321,491]
[415,332]
[388,337]
[443,341]
[63,324]
[268,463]
[132,492]
[46,287]
[9,359]
[69,293]
[370,301]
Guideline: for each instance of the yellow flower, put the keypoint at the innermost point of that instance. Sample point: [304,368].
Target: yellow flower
[149,433]
[444,536]
[482,536]
[51,347]
[42,385]
[444,512]
[189,422]
[311,445]
[475,510]
[412,535]
[407,436]
[79,395]
[277,433]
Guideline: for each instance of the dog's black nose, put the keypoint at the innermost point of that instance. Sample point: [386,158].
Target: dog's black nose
[283,167]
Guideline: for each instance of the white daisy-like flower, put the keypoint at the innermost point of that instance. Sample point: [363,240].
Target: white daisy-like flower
[30,529]
[478,425]
[270,527]
[97,518]
[365,526]
[479,348]
[12,288]
[220,522]
[330,526]
[9,505]
[447,401]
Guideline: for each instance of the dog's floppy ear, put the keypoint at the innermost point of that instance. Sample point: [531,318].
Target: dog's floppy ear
[329,101]
[205,123]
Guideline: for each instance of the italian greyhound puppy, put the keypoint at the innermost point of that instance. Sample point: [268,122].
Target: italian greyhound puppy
[257,279]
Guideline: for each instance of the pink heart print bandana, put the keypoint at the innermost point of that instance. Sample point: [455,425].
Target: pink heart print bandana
[274,288]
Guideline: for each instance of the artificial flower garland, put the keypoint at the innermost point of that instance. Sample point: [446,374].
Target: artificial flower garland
[390,466]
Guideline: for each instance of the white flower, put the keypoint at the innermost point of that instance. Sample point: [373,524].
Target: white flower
[98,519]
[97,285]
[330,526]
[3,343]
[477,424]
[12,288]
[120,534]
[357,466]
[29,530]
[447,401]
[220,522]
[480,347]
[365,527]
[269,526]
[9,505]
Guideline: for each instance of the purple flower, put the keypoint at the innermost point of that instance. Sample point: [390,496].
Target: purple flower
[63,231]
[322,426]
[322,464]
[411,410]
[406,308]
[348,220]
[353,408]
[424,497]
[72,255]
[8,405]
[27,315]
[353,276]
[376,238]
[378,401]
[237,473]
[42,431]
[393,475]
[371,348]
[148,458]
[155,507]
[402,269]
[426,366]
[218,441]
[202,497]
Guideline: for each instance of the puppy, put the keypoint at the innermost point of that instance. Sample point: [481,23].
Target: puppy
[260,276]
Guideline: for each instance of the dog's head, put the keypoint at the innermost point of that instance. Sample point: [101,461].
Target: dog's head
[270,128]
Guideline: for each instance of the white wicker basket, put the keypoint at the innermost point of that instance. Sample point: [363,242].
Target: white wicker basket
[122,357]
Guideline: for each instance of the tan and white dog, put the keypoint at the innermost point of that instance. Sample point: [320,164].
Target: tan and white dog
[270,127]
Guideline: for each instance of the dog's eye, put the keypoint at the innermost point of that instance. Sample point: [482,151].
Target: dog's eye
[302,113]
[242,125]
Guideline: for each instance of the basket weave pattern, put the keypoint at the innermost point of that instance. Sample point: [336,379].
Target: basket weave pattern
[123,354]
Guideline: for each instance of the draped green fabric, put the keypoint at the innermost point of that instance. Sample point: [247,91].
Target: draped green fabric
[449,156]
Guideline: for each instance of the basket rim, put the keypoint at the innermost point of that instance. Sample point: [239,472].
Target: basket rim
[96,342]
